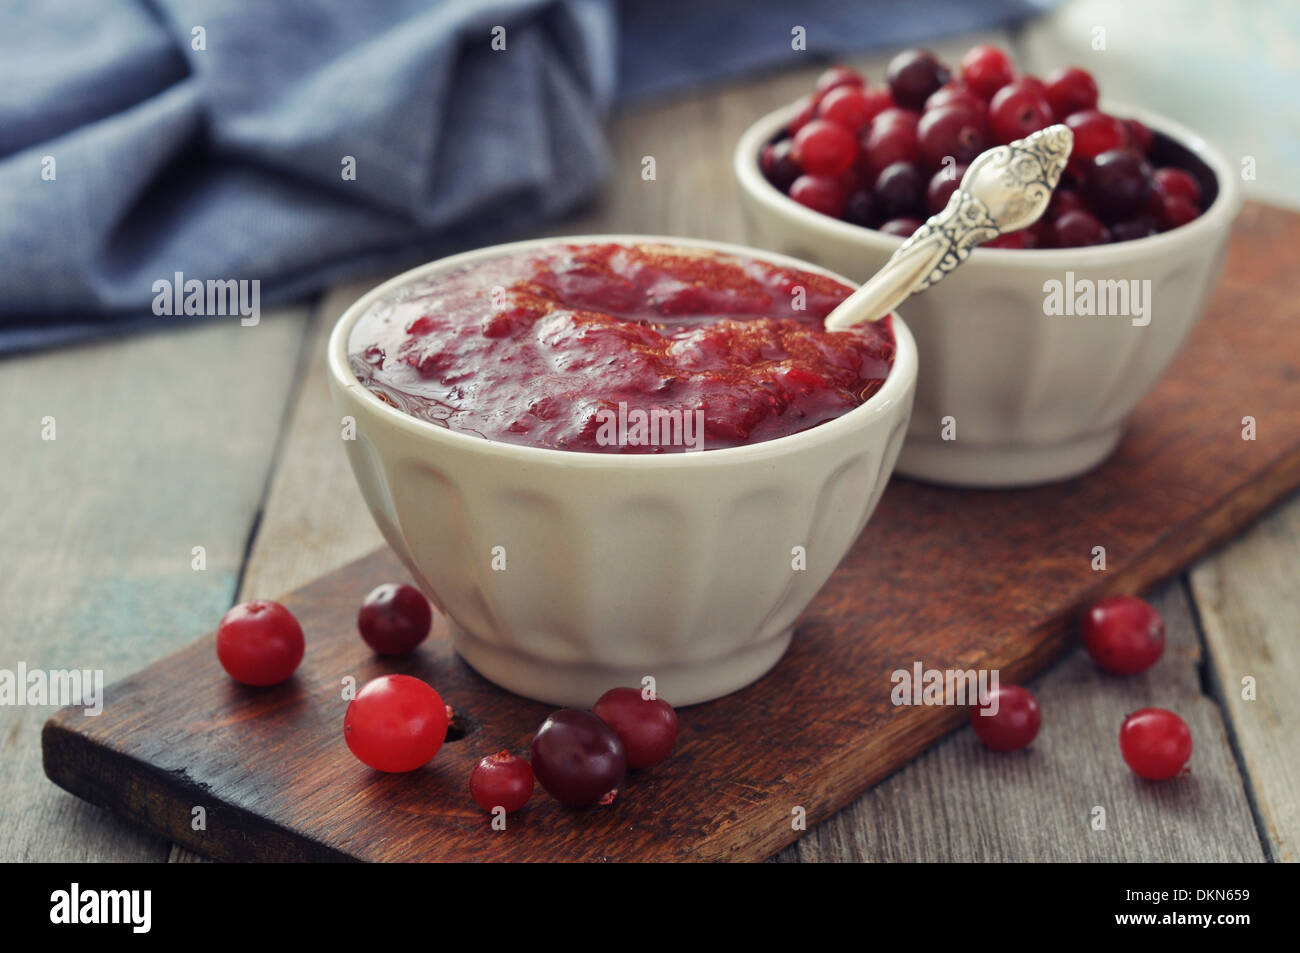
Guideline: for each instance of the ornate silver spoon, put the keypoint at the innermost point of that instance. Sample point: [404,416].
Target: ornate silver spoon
[1005,189]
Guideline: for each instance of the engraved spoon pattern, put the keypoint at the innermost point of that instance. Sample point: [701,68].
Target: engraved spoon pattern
[1005,189]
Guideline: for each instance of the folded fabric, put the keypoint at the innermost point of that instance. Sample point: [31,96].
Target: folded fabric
[299,142]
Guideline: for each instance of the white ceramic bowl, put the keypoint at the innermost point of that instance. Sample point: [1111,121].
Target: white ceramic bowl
[676,566]
[1028,397]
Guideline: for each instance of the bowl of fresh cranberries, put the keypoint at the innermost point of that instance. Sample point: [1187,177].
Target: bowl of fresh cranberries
[1035,351]
[612,457]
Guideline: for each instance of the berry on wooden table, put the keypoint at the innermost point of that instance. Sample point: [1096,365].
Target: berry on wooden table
[394,619]
[396,723]
[501,780]
[578,759]
[1009,720]
[259,643]
[646,726]
[1155,743]
[1124,635]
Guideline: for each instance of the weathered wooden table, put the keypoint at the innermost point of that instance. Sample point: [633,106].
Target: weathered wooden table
[220,436]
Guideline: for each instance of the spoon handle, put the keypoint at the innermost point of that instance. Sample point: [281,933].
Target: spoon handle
[1005,189]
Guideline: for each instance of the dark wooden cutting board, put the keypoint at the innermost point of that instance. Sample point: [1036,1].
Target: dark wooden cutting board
[950,578]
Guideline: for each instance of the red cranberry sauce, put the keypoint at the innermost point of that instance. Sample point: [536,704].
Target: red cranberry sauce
[548,347]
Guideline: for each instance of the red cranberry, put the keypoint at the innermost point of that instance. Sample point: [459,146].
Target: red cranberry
[259,643]
[1119,184]
[805,112]
[902,227]
[891,138]
[501,780]
[852,107]
[1017,110]
[1177,182]
[1014,240]
[1063,200]
[986,69]
[1155,743]
[1071,90]
[394,619]
[1139,136]
[955,94]
[1133,229]
[1176,210]
[578,758]
[1094,133]
[1077,228]
[1123,635]
[862,209]
[838,76]
[900,189]
[778,165]
[913,75]
[396,723]
[1015,721]
[646,726]
[954,131]
[820,193]
[942,184]
[823,148]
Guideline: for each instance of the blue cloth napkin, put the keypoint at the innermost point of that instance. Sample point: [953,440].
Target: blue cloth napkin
[141,139]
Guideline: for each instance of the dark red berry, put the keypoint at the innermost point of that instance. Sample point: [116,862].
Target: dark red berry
[1018,109]
[861,209]
[823,148]
[902,227]
[1170,182]
[1063,200]
[394,619]
[838,76]
[501,780]
[1077,228]
[259,643]
[913,75]
[1176,210]
[891,138]
[955,94]
[778,164]
[853,107]
[1071,90]
[986,69]
[950,131]
[1139,136]
[900,190]
[942,184]
[1133,229]
[820,193]
[1155,743]
[1094,133]
[1118,185]
[578,758]
[1014,240]
[1009,720]
[1123,635]
[646,726]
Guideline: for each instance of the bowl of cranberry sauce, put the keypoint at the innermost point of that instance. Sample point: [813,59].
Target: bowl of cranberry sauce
[612,348]
[522,421]
[1037,349]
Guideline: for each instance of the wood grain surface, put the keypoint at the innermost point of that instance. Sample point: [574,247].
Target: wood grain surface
[963,579]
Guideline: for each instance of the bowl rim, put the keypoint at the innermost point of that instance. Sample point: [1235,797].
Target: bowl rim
[1220,214]
[902,373]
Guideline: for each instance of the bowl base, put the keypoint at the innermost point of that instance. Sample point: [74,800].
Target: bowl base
[579,685]
[951,464]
